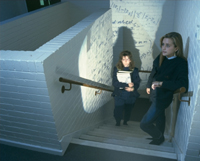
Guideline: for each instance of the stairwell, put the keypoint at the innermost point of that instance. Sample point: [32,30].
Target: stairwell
[126,138]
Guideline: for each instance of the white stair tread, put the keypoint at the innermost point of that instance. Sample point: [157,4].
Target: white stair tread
[135,143]
[142,151]
[129,129]
[120,133]
[112,121]
[124,137]
[132,129]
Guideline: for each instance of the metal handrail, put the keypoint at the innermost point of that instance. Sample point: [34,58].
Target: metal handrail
[179,91]
[63,89]
[144,71]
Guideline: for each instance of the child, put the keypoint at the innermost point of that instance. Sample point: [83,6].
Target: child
[169,73]
[125,93]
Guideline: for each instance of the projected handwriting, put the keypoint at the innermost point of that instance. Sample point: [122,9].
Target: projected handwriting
[144,55]
[122,22]
[141,43]
[147,68]
[135,14]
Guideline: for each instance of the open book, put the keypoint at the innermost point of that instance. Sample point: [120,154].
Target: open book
[124,76]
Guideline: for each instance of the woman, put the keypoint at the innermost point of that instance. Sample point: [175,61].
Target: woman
[169,73]
[125,93]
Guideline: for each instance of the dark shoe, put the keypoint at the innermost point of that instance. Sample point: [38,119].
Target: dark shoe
[149,138]
[117,124]
[125,123]
[158,141]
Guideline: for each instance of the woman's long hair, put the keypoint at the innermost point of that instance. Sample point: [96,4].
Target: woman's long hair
[177,41]
[120,65]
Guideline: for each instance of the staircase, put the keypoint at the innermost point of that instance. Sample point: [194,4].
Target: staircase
[126,138]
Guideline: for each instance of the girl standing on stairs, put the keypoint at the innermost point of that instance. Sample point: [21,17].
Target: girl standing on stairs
[169,73]
[125,91]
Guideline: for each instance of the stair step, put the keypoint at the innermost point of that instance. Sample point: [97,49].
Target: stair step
[125,134]
[132,123]
[133,138]
[129,129]
[132,129]
[120,134]
[135,143]
[126,138]
[122,148]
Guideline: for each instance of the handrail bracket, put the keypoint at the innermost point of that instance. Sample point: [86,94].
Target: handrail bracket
[182,91]
[179,97]
[63,89]
[98,92]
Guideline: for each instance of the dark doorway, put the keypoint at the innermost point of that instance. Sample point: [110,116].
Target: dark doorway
[37,4]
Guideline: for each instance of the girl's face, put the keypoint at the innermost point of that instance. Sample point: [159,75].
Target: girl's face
[168,48]
[126,61]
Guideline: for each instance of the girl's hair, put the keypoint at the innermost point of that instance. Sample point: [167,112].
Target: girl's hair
[177,41]
[120,65]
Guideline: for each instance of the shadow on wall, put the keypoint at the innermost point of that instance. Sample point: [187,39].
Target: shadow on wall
[118,43]
[187,47]
[125,35]
[161,31]
[156,49]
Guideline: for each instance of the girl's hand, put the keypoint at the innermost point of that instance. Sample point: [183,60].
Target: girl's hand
[148,90]
[129,89]
[156,84]
[131,84]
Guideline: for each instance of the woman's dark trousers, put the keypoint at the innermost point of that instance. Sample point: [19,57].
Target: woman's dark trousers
[153,121]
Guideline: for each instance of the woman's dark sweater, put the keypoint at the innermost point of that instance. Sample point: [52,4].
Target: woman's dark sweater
[174,75]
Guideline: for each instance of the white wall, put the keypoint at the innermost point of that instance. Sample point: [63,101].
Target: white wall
[26,117]
[134,23]
[80,108]
[29,31]
[138,26]
[187,23]
[34,113]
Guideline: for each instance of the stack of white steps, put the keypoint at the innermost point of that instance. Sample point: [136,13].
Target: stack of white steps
[126,138]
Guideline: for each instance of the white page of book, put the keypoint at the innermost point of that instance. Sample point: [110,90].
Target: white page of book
[124,77]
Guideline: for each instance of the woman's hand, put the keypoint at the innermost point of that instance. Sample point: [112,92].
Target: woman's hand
[131,84]
[148,90]
[156,84]
[129,89]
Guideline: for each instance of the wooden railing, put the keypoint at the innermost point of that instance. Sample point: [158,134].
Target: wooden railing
[179,91]
[144,71]
[63,89]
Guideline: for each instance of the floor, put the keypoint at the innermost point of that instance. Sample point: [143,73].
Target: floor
[82,153]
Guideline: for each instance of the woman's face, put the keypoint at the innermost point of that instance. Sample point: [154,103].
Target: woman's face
[168,48]
[126,61]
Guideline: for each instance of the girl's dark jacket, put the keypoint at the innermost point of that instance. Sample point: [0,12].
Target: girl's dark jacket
[135,78]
